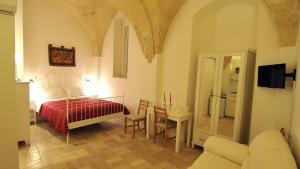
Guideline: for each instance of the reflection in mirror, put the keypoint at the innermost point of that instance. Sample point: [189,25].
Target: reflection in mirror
[230,78]
[206,88]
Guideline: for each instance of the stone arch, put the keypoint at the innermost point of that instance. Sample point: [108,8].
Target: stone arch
[216,5]
[285,15]
[93,16]
[212,8]
[151,19]
[134,11]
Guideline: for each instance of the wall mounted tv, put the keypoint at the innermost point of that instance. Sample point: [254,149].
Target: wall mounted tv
[271,76]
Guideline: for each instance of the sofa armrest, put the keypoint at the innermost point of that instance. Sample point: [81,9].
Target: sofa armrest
[227,149]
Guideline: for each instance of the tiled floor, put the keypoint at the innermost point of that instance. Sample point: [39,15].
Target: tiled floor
[225,126]
[100,146]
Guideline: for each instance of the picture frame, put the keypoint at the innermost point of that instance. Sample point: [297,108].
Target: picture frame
[61,56]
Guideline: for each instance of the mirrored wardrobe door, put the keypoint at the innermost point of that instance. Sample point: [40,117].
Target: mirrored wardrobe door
[206,99]
[227,94]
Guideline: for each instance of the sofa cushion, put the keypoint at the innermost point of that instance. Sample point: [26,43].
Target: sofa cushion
[267,141]
[227,149]
[211,161]
[276,159]
[245,164]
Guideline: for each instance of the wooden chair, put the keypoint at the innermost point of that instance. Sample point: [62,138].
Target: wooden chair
[136,118]
[161,121]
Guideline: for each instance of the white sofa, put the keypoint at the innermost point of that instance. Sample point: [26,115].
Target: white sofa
[268,150]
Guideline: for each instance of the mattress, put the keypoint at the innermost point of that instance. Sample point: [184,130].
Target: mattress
[55,112]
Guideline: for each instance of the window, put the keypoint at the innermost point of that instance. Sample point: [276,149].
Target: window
[120,55]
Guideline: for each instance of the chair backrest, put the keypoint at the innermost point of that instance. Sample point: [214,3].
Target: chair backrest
[143,106]
[160,114]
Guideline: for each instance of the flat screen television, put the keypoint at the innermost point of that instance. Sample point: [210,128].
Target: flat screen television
[271,76]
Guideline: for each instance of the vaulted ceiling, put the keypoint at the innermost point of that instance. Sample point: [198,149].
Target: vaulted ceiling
[286,15]
[94,17]
[151,19]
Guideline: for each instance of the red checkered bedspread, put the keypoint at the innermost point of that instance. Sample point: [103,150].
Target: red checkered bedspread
[55,112]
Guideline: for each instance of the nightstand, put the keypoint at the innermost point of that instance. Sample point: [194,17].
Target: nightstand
[22,110]
[32,115]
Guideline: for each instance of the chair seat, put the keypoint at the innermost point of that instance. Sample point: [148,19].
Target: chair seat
[135,117]
[170,123]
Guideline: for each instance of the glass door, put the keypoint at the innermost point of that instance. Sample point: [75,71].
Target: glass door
[206,94]
[227,95]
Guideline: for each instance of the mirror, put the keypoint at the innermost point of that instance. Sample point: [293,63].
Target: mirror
[208,66]
[230,78]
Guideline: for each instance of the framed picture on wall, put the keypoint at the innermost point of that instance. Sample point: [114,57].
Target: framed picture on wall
[61,56]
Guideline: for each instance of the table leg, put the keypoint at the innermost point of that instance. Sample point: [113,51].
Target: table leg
[178,136]
[148,126]
[188,139]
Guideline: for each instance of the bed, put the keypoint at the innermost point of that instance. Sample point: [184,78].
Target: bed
[67,108]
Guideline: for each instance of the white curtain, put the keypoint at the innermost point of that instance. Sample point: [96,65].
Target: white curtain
[121,35]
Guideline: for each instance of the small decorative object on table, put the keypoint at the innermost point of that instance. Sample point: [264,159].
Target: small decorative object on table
[61,56]
[165,101]
[170,99]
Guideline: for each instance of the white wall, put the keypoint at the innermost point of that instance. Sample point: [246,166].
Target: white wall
[222,26]
[230,28]
[8,128]
[295,134]
[271,107]
[141,76]
[177,63]
[174,61]
[44,24]
[184,36]
[181,36]
[19,52]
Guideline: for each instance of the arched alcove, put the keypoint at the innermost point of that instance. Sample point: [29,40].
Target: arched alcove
[226,26]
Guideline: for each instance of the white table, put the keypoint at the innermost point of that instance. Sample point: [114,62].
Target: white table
[175,114]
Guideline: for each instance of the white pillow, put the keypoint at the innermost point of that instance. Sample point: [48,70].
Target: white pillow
[42,83]
[55,93]
[74,92]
